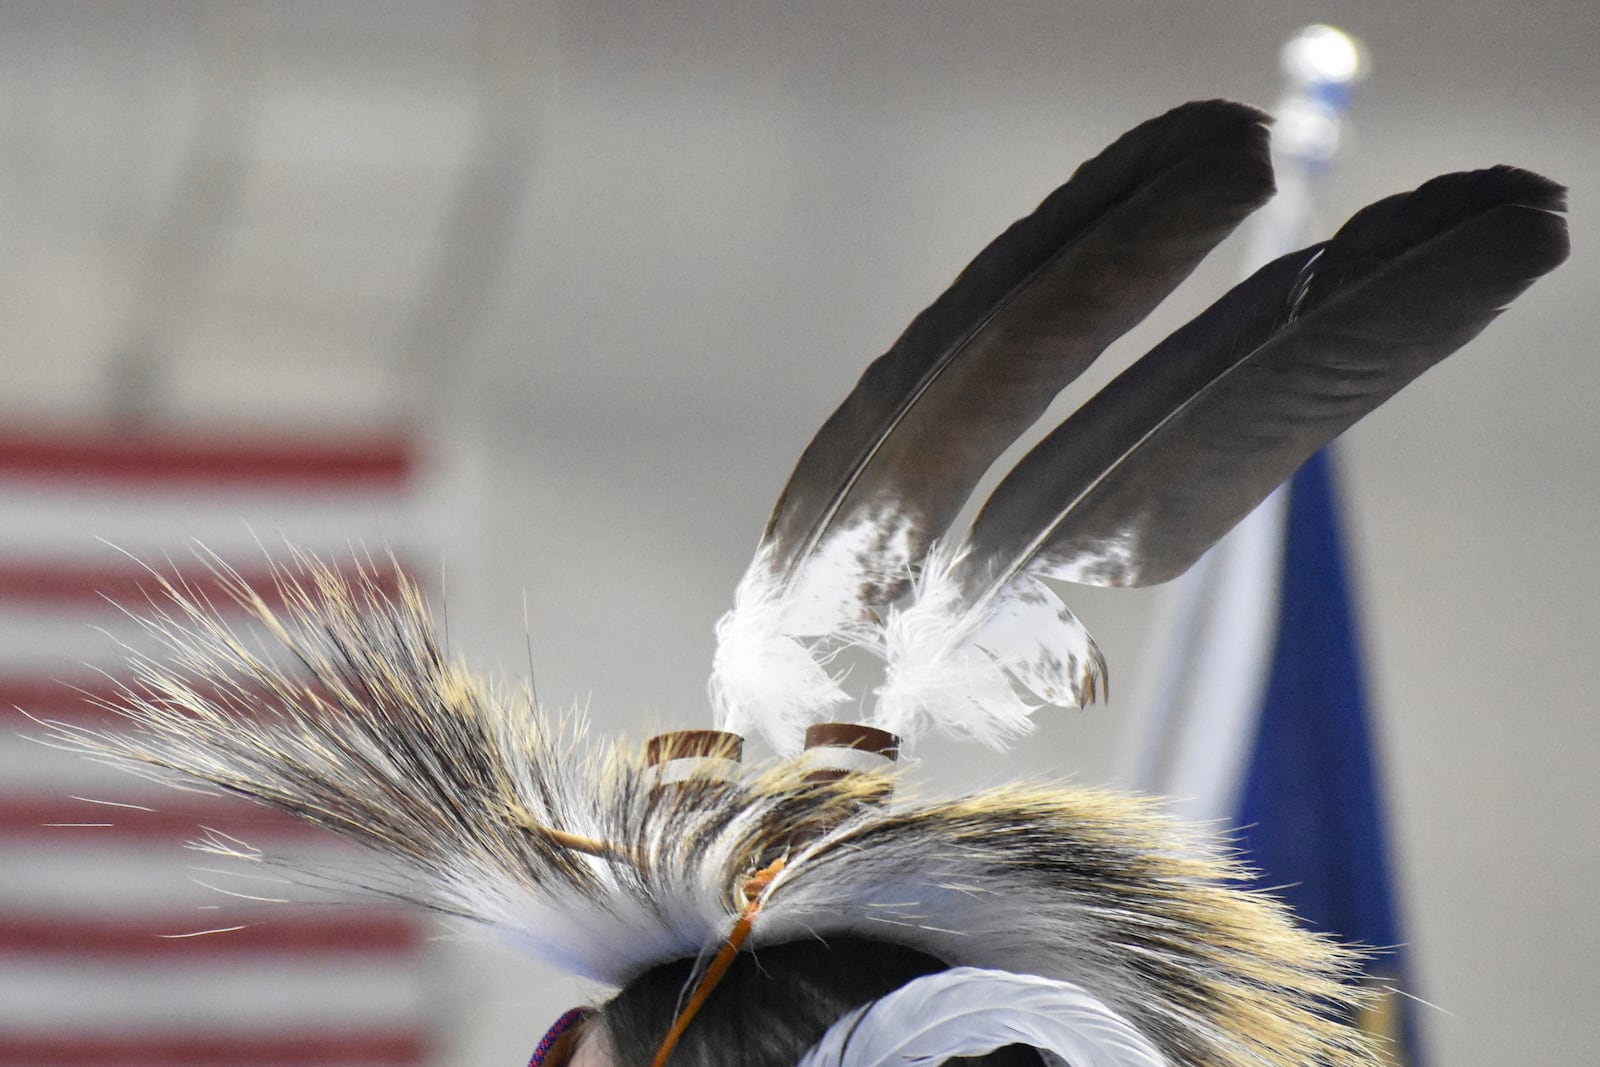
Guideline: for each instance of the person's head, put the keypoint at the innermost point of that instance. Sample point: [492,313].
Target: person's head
[771,1006]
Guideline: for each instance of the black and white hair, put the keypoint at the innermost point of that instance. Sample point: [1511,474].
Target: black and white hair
[772,1008]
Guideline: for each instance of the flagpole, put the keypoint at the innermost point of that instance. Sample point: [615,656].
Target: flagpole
[1322,66]
[1195,723]
[1258,719]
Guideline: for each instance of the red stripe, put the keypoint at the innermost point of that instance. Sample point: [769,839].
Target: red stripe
[78,701]
[349,932]
[346,1047]
[79,822]
[55,698]
[189,458]
[82,701]
[57,584]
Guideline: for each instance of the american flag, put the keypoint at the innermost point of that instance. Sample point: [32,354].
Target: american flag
[104,956]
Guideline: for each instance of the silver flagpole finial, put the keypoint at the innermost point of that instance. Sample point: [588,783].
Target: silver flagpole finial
[1322,65]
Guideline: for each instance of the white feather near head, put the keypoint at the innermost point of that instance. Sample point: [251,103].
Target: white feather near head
[969,1011]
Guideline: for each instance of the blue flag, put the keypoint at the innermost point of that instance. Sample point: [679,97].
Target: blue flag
[1260,718]
[1310,803]
[1261,723]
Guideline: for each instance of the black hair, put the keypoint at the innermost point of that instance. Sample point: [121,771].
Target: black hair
[771,1006]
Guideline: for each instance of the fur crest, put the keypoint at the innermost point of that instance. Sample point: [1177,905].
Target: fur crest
[351,716]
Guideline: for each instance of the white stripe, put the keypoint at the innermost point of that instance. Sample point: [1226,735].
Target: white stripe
[69,642]
[92,873]
[75,641]
[63,643]
[89,880]
[834,758]
[700,768]
[1201,724]
[67,522]
[251,994]
[29,767]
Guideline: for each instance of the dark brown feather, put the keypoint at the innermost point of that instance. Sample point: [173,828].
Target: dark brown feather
[980,365]
[1147,475]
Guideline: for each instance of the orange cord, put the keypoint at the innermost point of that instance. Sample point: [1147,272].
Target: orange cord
[588,845]
[753,887]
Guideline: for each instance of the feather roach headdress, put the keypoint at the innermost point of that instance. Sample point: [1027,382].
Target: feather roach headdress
[1080,921]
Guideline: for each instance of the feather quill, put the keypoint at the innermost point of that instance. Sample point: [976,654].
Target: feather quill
[968,1011]
[890,468]
[1148,474]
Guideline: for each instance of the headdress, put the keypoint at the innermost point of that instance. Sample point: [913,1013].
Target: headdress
[1079,920]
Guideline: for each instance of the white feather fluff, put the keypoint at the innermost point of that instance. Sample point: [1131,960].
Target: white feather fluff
[770,671]
[978,670]
[968,1011]
[765,679]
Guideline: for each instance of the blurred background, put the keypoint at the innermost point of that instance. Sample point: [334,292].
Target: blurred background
[550,296]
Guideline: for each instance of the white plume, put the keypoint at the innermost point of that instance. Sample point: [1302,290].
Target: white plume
[978,670]
[770,670]
[765,678]
[968,1011]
